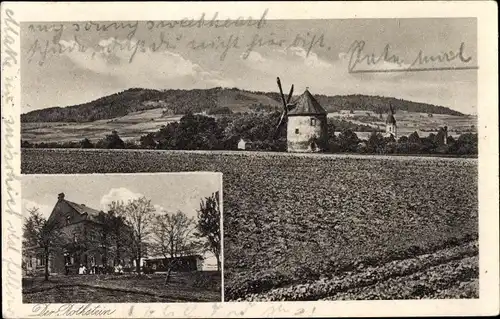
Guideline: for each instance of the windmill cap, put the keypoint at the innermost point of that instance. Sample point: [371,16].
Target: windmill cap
[306,104]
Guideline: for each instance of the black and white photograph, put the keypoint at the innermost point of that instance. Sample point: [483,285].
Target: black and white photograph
[121,238]
[261,160]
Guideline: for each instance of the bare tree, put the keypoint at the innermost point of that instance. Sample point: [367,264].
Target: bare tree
[114,236]
[209,225]
[173,237]
[139,216]
[40,233]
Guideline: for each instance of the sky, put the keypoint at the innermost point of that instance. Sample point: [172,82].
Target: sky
[70,63]
[168,192]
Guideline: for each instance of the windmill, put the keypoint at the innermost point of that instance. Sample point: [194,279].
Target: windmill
[305,120]
[286,106]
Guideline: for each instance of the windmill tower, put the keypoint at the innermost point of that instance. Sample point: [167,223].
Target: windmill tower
[390,124]
[306,123]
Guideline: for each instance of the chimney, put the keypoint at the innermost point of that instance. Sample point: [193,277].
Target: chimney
[60,197]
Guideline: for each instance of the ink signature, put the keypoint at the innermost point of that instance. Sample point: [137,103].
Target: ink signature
[362,62]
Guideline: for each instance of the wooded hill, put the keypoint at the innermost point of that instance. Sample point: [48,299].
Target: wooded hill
[200,100]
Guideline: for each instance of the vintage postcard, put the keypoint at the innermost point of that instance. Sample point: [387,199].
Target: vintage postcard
[263,159]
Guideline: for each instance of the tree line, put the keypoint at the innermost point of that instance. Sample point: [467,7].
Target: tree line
[199,132]
[133,229]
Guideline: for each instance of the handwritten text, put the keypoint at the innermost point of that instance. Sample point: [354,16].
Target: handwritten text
[386,61]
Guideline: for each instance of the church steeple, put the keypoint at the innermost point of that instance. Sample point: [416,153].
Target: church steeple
[390,123]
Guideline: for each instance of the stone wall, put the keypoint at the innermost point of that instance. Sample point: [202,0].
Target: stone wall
[306,133]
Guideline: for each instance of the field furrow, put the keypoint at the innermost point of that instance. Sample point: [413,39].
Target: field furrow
[419,268]
[419,285]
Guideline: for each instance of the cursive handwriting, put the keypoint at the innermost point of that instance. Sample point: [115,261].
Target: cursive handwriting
[104,27]
[219,43]
[360,61]
[422,59]
[11,257]
[308,42]
[69,310]
[9,86]
[41,50]
[47,48]
[129,39]
[167,311]
[11,32]
[358,56]
[212,23]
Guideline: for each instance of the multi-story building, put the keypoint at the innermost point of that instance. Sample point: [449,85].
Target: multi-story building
[84,240]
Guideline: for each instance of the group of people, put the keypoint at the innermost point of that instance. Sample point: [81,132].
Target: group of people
[83,270]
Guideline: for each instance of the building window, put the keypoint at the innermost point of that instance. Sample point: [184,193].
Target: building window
[41,260]
[68,220]
[296,131]
[313,122]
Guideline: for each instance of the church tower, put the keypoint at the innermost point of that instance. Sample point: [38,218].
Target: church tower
[390,124]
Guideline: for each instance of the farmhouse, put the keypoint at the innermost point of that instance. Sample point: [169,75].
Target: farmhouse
[306,128]
[81,240]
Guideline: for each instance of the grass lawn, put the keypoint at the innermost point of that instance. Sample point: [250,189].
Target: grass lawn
[183,287]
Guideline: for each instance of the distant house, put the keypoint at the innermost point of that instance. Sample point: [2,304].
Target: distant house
[184,263]
[81,231]
[242,144]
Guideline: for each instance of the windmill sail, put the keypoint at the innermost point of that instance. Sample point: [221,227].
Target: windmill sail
[286,106]
[281,92]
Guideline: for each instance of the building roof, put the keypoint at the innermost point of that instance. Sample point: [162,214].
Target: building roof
[197,256]
[91,213]
[390,119]
[306,104]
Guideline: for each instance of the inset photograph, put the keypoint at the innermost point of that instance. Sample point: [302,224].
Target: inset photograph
[111,238]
